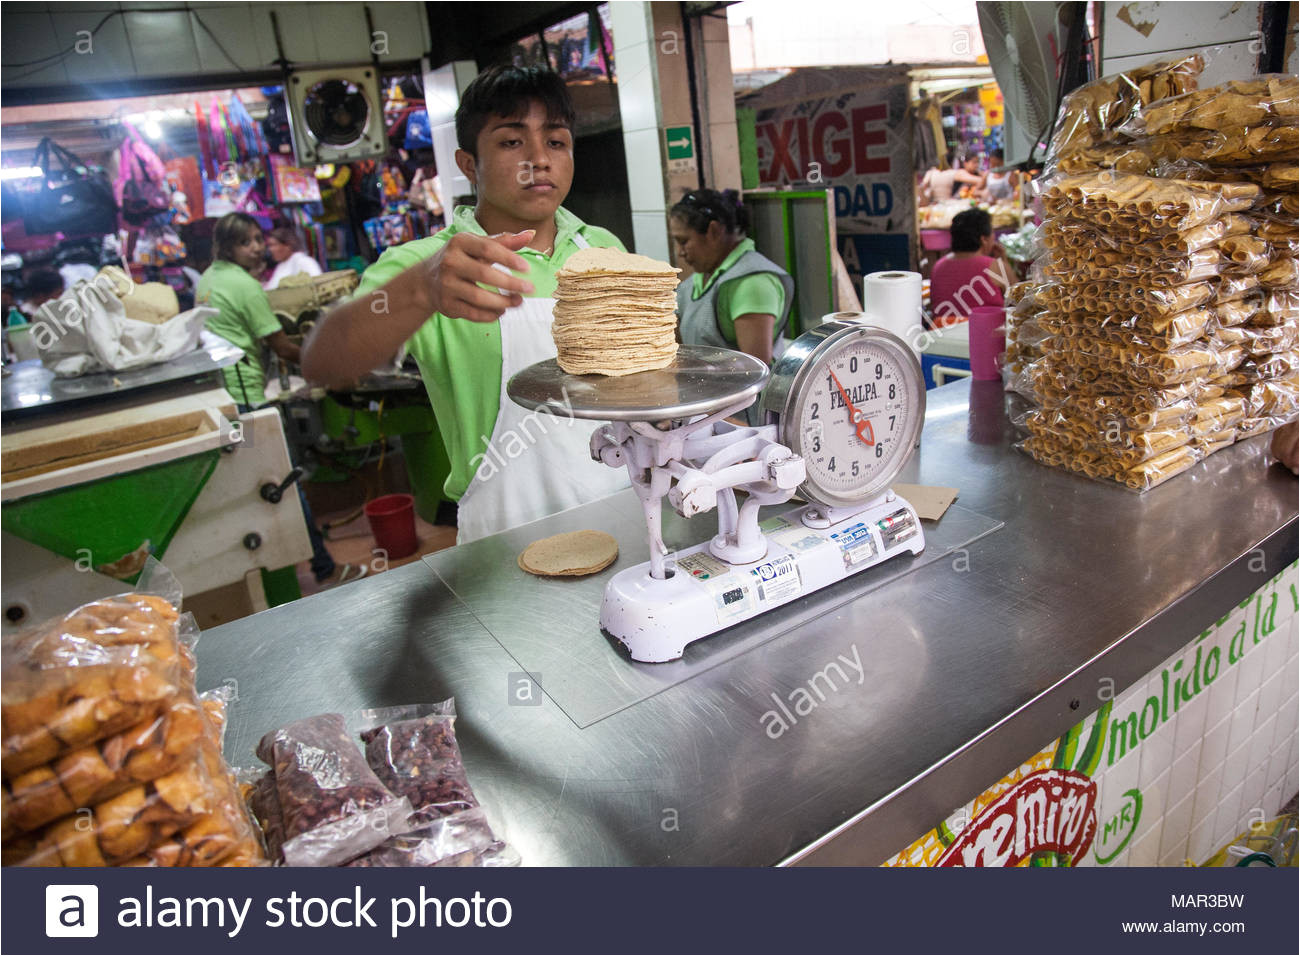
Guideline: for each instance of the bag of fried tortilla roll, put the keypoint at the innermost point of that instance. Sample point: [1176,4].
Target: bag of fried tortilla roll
[99,671]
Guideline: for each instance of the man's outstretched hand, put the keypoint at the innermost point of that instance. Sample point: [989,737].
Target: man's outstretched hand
[452,277]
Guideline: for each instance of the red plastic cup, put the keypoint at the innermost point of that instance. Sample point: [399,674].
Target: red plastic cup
[392,521]
[988,340]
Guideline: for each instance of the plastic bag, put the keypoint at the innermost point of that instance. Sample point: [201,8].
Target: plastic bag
[1157,471]
[1097,296]
[413,751]
[334,806]
[265,804]
[122,827]
[224,836]
[461,839]
[1245,146]
[93,774]
[1140,477]
[1269,100]
[1092,114]
[1151,271]
[99,671]
[1144,205]
[1272,397]
[1281,275]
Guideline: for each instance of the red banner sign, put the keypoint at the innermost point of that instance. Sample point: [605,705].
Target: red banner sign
[1051,810]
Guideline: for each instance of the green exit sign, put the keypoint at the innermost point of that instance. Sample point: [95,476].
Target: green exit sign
[680,141]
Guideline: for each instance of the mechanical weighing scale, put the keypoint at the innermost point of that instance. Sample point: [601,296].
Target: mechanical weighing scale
[844,407]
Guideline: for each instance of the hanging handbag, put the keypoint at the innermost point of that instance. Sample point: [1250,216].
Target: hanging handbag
[70,199]
[142,180]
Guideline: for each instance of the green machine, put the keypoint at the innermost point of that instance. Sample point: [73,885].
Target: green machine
[103,471]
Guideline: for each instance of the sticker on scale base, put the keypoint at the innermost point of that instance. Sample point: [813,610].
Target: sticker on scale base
[739,593]
[702,566]
[855,543]
[778,580]
[790,535]
[733,595]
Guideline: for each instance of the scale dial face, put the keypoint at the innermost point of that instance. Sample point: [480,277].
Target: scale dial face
[854,412]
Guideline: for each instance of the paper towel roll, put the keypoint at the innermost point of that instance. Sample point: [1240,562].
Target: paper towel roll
[892,301]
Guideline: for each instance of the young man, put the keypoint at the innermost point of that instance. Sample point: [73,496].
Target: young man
[471,324]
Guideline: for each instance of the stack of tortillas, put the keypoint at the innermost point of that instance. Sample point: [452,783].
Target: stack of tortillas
[615,313]
[570,555]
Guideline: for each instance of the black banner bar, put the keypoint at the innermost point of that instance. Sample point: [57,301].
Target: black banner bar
[650,911]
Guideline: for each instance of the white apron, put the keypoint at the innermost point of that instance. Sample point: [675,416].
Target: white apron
[536,464]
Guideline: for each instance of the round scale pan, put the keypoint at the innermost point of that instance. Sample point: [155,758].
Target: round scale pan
[701,380]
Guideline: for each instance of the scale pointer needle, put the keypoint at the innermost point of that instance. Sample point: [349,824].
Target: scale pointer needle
[860,422]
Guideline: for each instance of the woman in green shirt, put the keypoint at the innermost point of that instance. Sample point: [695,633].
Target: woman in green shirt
[737,298]
[244,315]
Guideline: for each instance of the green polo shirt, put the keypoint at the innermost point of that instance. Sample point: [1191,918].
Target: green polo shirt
[761,292]
[243,317]
[460,361]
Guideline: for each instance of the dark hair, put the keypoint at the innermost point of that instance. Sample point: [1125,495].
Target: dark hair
[699,208]
[231,230]
[507,91]
[968,227]
[288,236]
[998,154]
[42,282]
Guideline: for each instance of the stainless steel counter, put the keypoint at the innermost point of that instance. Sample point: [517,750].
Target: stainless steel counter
[31,389]
[969,664]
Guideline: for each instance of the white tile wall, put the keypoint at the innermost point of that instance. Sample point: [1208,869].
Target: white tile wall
[1235,767]
[1250,670]
[1286,723]
[1261,743]
[1228,816]
[1190,725]
[1225,758]
[1156,753]
[1275,655]
[1243,720]
[1222,693]
[1208,791]
[1182,778]
[1201,845]
[1174,832]
[1270,696]
[1146,848]
[1214,748]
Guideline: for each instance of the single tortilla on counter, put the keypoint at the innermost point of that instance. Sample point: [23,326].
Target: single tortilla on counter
[572,554]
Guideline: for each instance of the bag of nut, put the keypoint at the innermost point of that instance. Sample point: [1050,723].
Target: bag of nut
[413,750]
[333,805]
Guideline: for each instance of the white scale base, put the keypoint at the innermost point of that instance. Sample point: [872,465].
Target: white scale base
[808,549]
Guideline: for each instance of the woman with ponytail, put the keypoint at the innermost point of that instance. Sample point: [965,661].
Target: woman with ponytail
[737,298]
